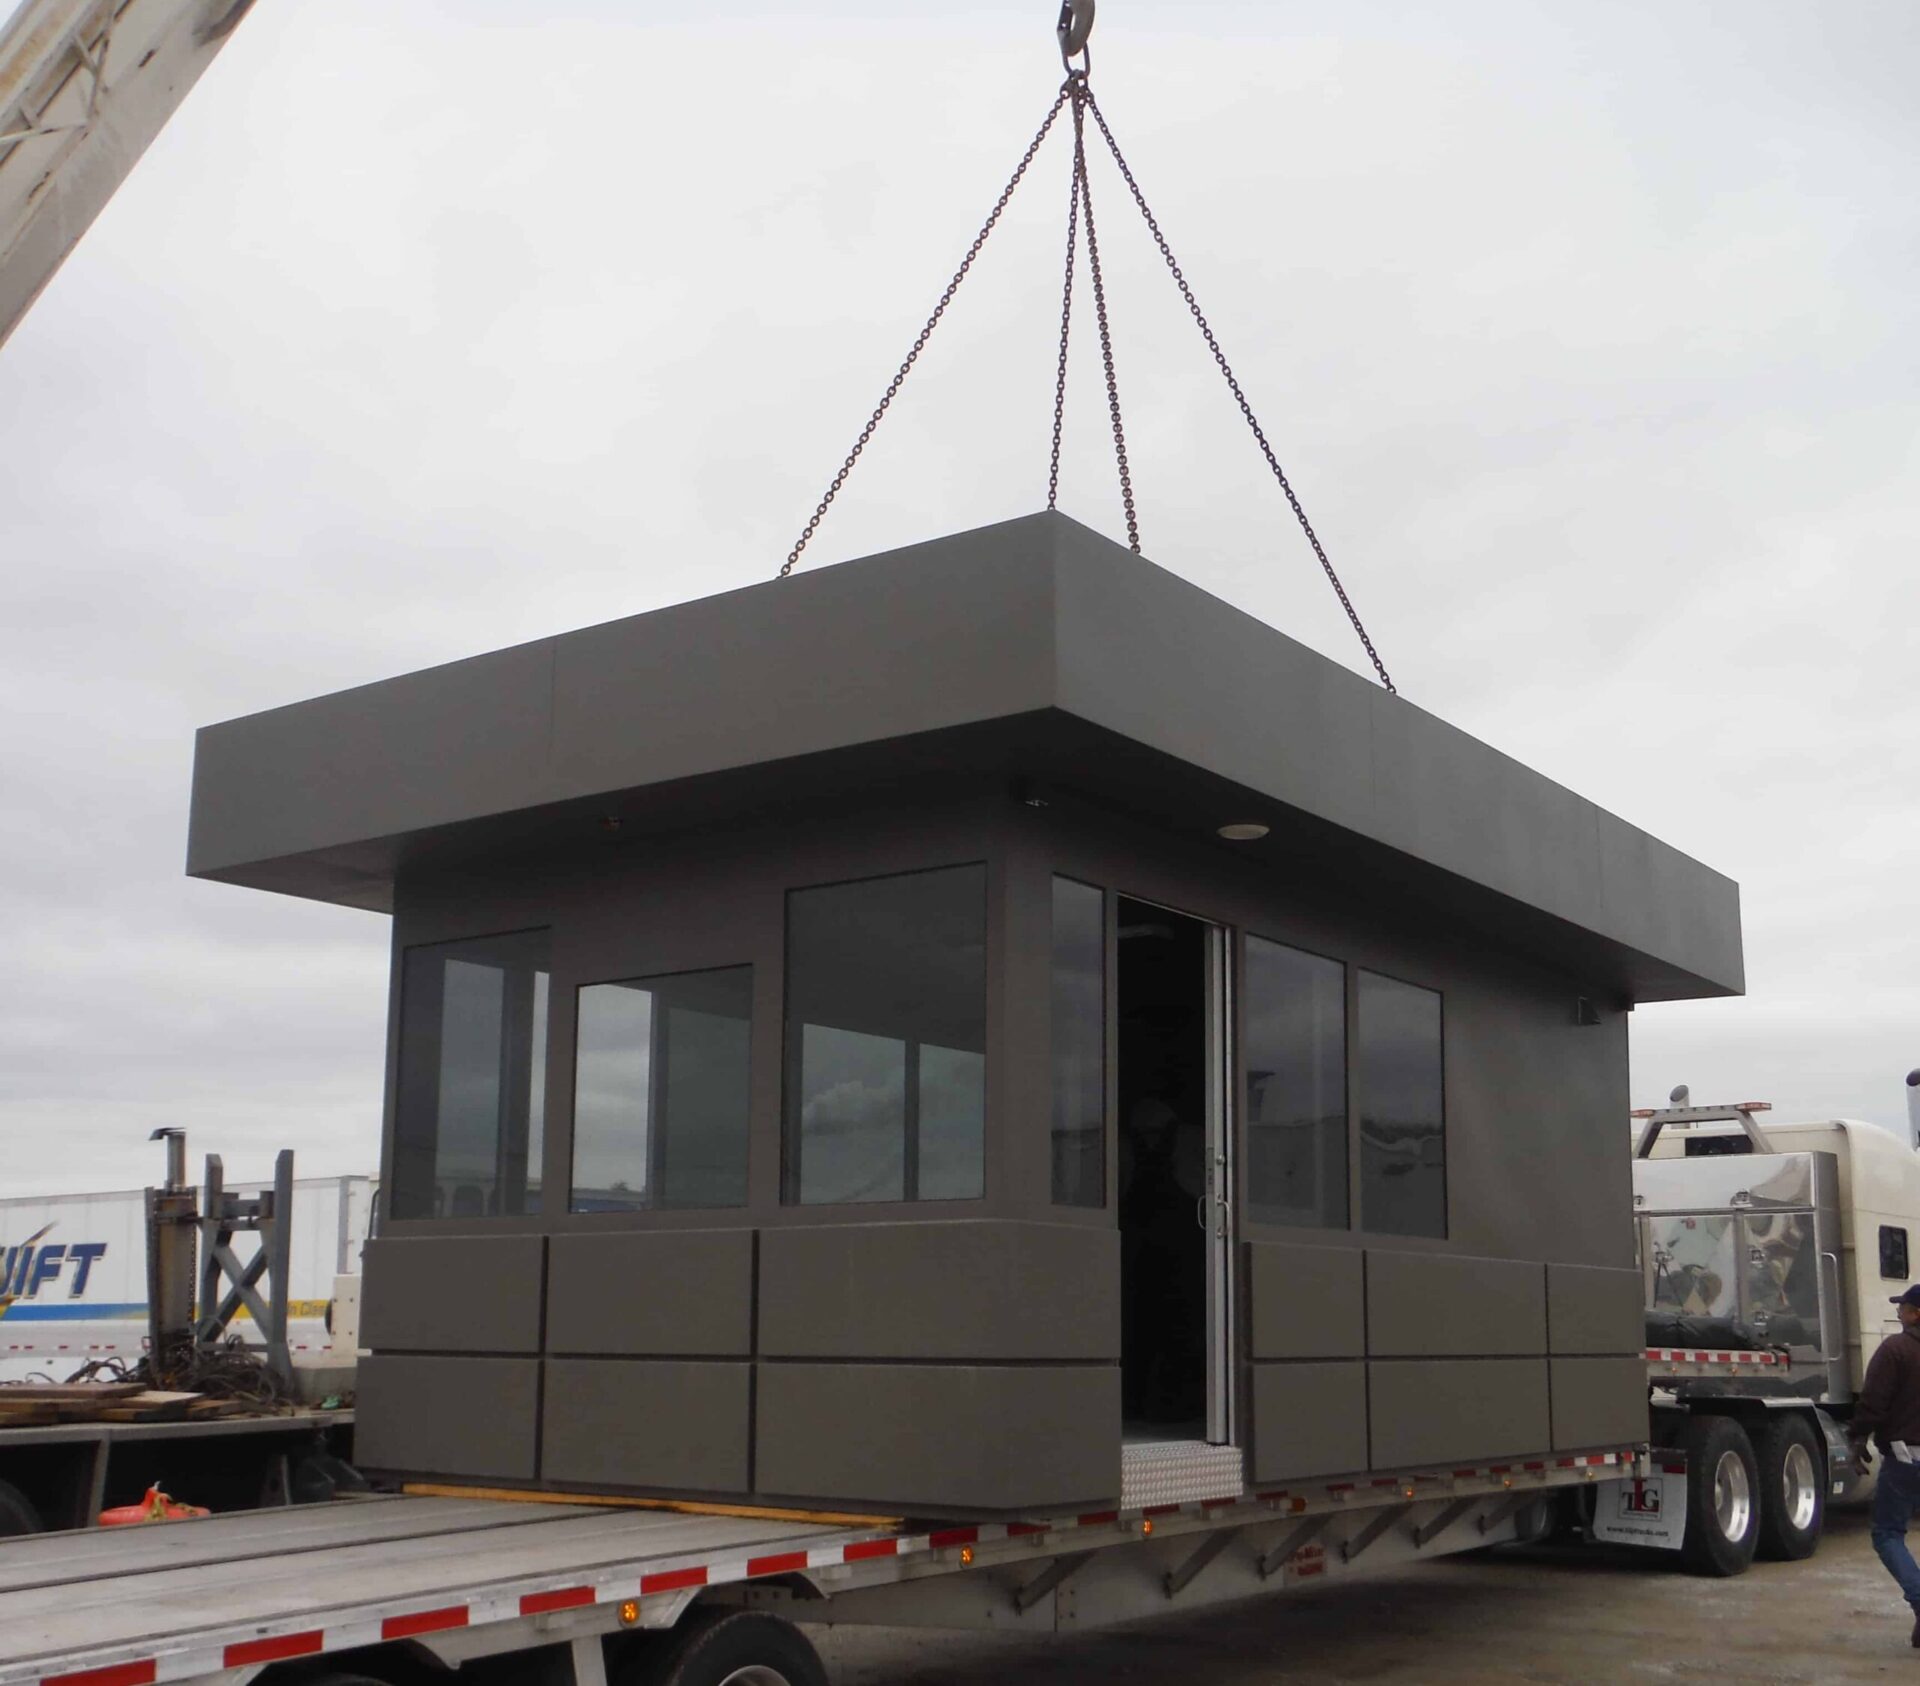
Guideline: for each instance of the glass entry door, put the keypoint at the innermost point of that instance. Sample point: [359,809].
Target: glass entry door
[1176,1175]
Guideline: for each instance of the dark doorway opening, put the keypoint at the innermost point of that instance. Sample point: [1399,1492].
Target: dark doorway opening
[1162,1017]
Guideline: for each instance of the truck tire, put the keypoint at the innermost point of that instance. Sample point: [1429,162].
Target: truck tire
[1793,1487]
[17,1515]
[725,1648]
[1723,1486]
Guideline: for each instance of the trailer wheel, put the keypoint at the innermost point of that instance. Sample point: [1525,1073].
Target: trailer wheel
[1793,1487]
[1723,1486]
[726,1648]
[17,1515]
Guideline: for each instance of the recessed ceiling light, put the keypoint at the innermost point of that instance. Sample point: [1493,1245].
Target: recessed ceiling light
[1244,833]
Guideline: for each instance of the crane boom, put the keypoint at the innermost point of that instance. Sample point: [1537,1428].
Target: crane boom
[85,85]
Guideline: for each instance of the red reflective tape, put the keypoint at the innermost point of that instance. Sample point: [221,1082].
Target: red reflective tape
[1316,1566]
[1019,1530]
[1161,1510]
[1217,1504]
[1098,1518]
[780,1563]
[871,1548]
[120,1674]
[672,1580]
[1465,1474]
[424,1621]
[953,1537]
[565,1598]
[275,1650]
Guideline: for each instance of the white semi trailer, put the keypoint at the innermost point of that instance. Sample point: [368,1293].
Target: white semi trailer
[73,1273]
[1770,1255]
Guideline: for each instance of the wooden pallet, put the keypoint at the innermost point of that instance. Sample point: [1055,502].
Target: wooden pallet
[38,1404]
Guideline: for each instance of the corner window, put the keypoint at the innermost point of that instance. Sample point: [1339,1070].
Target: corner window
[1893,1253]
[470,1111]
[660,1092]
[1079,996]
[886,1039]
[1403,1141]
[1296,1065]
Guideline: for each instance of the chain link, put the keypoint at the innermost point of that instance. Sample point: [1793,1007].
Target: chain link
[1082,97]
[1066,320]
[1220,357]
[933,321]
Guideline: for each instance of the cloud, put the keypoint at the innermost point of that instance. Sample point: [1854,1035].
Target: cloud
[1589,342]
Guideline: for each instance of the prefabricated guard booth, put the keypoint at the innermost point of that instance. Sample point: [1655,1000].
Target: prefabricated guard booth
[977,1029]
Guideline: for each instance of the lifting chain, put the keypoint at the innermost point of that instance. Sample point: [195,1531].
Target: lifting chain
[1076,20]
[926,333]
[1239,397]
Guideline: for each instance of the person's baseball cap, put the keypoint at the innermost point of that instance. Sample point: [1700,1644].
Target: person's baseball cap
[1910,1297]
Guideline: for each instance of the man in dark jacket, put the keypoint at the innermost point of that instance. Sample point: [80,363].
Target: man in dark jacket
[1888,1409]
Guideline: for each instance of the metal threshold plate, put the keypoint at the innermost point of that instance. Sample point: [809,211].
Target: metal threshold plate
[1170,1472]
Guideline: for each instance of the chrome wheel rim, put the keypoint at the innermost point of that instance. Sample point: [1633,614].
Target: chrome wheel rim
[1732,1496]
[1799,1488]
[756,1674]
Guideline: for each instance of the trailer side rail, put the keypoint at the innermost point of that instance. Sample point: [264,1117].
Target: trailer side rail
[579,1572]
[1690,1362]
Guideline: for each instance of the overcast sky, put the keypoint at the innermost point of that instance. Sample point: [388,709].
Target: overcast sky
[1587,333]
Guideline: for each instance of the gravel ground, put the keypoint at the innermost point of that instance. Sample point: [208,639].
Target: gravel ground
[1546,1615]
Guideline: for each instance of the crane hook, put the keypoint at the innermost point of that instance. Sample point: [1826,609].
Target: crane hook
[1075,25]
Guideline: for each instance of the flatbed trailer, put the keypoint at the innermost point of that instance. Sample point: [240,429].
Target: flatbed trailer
[377,1587]
[62,1475]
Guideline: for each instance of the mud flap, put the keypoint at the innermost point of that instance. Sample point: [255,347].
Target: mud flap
[1644,1510]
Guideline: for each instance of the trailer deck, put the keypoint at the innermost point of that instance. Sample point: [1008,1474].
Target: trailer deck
[472,1577]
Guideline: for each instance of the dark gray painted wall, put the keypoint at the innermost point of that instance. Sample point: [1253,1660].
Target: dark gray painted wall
[1008,1304]
[475,1418]
[968,1290]
[677,1293]
[1308,1419]
[1450,1410]
[940,1436]
[451,1293]
[666,1426]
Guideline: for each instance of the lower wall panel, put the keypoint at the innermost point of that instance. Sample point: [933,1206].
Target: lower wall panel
[1308,1419]
[470,1417]
[619,1422]
[1595,1311]
[1452,1410]
[1599,1402]
[967,1438]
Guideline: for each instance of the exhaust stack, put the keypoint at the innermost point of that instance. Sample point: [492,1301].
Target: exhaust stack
[1913,1108]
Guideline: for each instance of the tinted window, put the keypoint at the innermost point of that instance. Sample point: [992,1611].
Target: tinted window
[660,1092]
[471,1108]
[1893,1253]
[1403,1147]
[886,1039]
[1079,1044]
[1296,1063]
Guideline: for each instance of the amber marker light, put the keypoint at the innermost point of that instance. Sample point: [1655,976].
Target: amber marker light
[966,1554]
[1146,1525]
[629,1611]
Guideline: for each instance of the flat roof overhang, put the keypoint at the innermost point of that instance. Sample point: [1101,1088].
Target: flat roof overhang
[1031,649]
